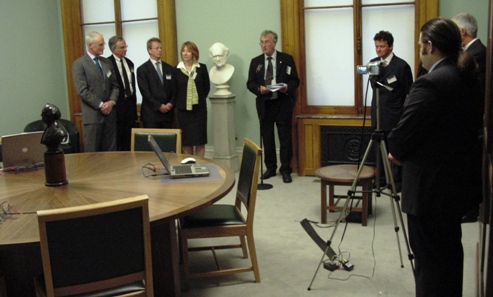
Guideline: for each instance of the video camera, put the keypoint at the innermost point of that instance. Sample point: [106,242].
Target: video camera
[372,68]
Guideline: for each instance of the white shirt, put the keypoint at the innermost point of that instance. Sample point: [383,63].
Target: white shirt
[129,73]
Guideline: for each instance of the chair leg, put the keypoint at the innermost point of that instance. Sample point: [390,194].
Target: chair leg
[244,247]
[253,256]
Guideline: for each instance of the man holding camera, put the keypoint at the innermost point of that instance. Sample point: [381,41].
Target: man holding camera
[396,74]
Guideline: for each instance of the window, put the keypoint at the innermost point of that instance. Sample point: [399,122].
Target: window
[340,37]
[333,37]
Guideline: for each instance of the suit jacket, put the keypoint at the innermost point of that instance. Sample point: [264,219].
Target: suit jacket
[94,88]
[399,77]
[285,73]
[436,139]
[478,51]
[154,92]
[130,110]
[202,83]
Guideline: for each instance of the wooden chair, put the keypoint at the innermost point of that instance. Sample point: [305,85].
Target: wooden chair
[220,220]
[101,249]
[169,140]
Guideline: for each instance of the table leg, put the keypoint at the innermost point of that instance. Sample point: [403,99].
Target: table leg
[165,256]
[331,196]
[19,265]
[365,203]
[323,190]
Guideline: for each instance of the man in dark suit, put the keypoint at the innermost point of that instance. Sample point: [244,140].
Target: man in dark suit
[398,76]
[274,106]
[156,84]
[95,83]
[432,141]
[468,27]
[126,110]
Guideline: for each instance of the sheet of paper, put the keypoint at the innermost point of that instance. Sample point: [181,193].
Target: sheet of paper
[276,87]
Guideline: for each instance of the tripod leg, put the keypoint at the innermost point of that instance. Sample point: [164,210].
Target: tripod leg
[394,202]
[318,266]
[350,196]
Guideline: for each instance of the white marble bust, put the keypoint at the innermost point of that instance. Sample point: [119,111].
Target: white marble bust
[221,73]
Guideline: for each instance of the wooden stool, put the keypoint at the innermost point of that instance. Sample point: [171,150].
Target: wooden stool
[338,175]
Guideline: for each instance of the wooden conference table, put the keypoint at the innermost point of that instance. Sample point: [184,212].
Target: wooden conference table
[98,177]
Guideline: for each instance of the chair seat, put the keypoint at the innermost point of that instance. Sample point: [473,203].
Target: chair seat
[214,215]
[135,287]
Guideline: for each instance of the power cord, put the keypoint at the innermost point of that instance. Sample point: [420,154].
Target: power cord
[150,169]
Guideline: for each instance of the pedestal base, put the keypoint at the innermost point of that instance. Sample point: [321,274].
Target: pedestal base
[55,169]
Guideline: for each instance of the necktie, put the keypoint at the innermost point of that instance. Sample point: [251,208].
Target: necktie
[269,75]
[96,60]
[159,71]
[128,91]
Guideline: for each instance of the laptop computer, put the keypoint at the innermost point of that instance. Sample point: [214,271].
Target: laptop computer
[178,171]
[23,150]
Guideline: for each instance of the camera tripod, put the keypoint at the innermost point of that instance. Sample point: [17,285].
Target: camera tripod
[378,138]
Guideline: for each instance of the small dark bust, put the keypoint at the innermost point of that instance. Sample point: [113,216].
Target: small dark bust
[54,132]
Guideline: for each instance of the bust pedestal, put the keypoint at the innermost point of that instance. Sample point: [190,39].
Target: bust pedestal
[223,125]
[55,168]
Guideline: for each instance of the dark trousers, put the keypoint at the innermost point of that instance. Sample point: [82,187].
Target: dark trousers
[163,124]
[125,121]
[273,117]
[439,258]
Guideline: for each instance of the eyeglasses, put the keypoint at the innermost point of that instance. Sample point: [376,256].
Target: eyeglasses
[265,42]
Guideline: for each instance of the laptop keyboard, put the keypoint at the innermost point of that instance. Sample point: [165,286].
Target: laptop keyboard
[183,169]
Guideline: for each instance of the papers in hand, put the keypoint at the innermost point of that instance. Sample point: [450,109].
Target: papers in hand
[276,87]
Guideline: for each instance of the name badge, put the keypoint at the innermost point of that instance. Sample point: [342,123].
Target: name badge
[391,79]
[288,70]
[168,76]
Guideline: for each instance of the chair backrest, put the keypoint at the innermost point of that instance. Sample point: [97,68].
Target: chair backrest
[96,247]
[246,192]
[169,140]
[73,144]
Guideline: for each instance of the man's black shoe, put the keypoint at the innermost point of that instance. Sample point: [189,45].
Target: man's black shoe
[267,174]
[286,177]
[469,219]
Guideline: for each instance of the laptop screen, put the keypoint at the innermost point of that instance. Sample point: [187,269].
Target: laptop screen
[23,149]
[155,147]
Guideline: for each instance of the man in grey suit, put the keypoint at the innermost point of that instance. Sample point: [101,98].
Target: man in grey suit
[96,84]
[156,82]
